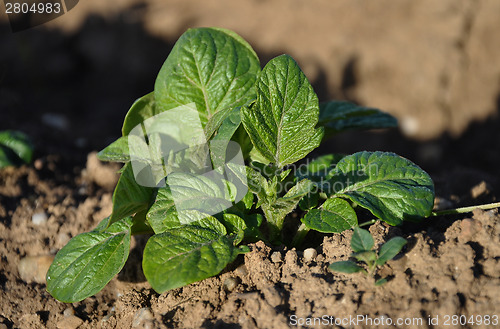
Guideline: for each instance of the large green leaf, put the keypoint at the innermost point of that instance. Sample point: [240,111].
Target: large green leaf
[129,197]
[338,116]
[15,148]
[89,261]
[281,123]
[212,67]
[335,216]
[391,187]
[187,254]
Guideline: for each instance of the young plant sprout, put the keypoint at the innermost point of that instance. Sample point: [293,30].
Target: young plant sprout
[362,247]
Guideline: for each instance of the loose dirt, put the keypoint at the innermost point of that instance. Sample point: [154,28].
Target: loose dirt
[450,267]
[435,66]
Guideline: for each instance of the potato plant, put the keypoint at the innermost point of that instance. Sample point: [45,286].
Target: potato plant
[199,221]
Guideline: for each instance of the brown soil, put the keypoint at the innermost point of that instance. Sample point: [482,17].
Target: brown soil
[436,67]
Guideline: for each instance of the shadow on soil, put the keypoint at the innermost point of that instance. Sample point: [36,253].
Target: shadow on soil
[70,93]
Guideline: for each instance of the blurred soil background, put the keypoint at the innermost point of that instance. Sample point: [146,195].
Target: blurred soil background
[435,65]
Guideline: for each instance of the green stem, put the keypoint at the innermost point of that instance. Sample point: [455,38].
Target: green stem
[300,235]
[370,222]
[465,209]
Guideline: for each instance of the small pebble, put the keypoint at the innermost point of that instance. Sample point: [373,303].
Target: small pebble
[55,120]
[276,257]
[39,218]
[69,312]
[230,284]
[310,254]
[34,268]
[62,239]
[143,318]
[38,164]
[69,322]
[241,270]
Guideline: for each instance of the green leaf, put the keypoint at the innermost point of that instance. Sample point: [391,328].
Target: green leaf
[361,240]
[335,216]
[345,266]
[88,262]
[380,282]
[249,225]
[259,185]
[129,197]
[367,256]
[187,254]
[117,151]
[212,67]
[184,194]
[142,109]
[338,116]
[276,211]
[282,120]
[390,249]
[15,148]
[309,201]
[219,143]
[391,187]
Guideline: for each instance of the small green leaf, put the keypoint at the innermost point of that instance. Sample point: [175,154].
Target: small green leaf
[391,187]
[361,240]
[367,256]
[249,225]
[89,261]
[15,148]
[380,282]
[129,197]
[184,255]
[309,201]
[390,249]
[281,123]
[219,143]
[276,211]
[142,109]
[335,216]
[345,266]
[258,185]
[247,200]
[338,116]
[212,67]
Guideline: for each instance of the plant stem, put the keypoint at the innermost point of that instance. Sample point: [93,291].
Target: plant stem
[373,221]
[465,209]
[300,235]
